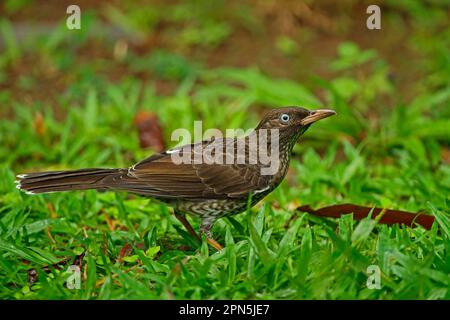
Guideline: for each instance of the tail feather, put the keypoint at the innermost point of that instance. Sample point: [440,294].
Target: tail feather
[57,181]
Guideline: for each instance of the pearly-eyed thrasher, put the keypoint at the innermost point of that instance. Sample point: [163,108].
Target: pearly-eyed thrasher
[210,179]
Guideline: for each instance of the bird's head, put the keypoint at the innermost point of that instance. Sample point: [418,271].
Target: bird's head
[292,122]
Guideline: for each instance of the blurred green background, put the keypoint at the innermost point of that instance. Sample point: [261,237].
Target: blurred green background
[76,98]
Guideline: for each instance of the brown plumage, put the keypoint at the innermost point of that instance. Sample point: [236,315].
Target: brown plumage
[209,190]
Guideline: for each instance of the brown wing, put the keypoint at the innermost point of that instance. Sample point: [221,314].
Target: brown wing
[159,176]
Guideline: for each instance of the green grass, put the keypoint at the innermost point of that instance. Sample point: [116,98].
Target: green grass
[263,258]
[380,150]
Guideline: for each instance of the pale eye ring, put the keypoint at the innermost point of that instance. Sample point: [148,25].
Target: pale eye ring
[284,117]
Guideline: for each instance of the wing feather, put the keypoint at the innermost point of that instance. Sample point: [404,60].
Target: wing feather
[159,176]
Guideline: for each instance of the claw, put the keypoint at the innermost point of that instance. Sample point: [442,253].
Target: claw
[214,244]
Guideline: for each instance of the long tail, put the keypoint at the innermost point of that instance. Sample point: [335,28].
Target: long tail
[57,181]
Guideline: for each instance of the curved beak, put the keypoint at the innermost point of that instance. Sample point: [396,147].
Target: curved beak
[316,115]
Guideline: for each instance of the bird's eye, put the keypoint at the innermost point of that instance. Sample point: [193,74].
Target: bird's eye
[284,117]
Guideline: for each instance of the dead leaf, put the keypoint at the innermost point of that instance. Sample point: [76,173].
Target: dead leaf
[177,268]
[389,216]
[110,222]
[50,208]
[140,245]
[39,124]
[445,155]
[126,250]
[149,130]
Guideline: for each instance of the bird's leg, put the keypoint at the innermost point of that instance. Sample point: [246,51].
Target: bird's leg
[182,218]
[205,228]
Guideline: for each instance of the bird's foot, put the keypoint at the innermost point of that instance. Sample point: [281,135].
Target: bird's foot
[205,228]
[214,244]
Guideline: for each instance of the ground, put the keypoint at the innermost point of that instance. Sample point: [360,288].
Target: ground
[73,99]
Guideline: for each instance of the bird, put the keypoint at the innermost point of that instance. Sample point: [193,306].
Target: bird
[211,179]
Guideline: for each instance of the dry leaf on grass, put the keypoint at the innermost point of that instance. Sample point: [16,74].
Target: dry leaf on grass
[389,216]
[149,131]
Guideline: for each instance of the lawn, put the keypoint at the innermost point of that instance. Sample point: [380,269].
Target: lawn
[71,101]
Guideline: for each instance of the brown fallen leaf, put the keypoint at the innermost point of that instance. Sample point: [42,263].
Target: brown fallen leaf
[389,216]
[149,131]
[445,155]
[39,124]
[140,245]
[177,268]
[110,222]
[126,250]
[53,213]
